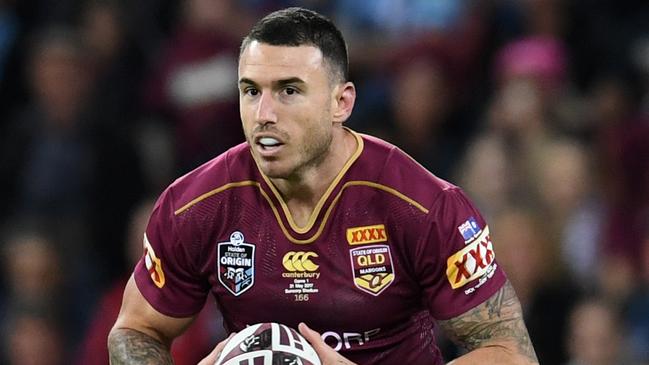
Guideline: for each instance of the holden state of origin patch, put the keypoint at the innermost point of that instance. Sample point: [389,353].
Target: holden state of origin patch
[236,264]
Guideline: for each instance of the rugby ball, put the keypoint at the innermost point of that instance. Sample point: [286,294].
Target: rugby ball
[268,344]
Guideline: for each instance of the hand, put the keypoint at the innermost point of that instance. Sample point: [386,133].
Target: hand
[327,355]
[211,358]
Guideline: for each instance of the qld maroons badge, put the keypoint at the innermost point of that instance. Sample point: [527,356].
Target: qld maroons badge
[236,264]
[372,268]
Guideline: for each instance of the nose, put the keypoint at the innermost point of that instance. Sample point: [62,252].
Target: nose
[266,109]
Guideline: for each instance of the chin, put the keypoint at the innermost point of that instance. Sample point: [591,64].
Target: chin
[273,172]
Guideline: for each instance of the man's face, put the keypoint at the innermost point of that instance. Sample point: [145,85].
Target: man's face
[286,100]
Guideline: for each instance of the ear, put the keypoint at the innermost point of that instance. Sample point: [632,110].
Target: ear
[343,101]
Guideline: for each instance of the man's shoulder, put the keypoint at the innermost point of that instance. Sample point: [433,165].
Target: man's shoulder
[234,165]
[396,169]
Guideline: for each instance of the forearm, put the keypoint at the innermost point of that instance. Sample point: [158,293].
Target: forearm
[493,332]
[130,347]
[498,355]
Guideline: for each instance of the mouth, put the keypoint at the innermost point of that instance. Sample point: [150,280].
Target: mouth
[268,145]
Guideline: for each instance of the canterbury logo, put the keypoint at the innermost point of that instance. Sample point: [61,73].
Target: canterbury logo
[299,261]
[367,234]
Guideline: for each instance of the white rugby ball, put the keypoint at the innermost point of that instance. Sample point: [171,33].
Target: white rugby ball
[268,344]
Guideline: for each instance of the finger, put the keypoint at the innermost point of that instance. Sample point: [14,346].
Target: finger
[326,353]
[313,337]
[214,355]
[307,332]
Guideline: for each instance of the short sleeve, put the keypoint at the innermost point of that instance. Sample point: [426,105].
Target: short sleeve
[455,263]
[166,275]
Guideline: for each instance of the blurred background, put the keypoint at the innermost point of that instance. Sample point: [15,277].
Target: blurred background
[539,109]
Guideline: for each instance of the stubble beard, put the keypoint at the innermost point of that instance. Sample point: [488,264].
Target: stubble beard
[314,152]
[317,147]
[311,154]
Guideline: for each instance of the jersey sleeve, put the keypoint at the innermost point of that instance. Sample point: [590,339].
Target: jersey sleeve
[455,262]
[166,275]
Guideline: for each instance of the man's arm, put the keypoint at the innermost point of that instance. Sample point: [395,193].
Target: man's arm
[142,335]
[493,332]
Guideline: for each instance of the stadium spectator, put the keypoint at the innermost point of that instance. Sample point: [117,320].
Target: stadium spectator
[33,337]
[637,314]
[596,335]
[547,294]
[432,131]
[36,301]
[113,58]
[572,210]
[487,174]
[192,85]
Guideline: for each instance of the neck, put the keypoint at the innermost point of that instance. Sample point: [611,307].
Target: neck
[303,191]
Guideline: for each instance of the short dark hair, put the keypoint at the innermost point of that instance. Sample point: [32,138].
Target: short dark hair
[298,27]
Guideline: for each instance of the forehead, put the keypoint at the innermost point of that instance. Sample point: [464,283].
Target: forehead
[260,61]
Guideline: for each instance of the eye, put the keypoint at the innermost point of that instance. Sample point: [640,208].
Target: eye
[290,90]
[251,91]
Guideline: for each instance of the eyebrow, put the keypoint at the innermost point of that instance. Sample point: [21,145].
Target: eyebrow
[277,83]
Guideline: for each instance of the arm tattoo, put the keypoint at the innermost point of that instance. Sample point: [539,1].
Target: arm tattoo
[498,318]
[130,347]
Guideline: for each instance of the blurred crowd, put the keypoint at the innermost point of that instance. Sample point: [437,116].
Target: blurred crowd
[539,109]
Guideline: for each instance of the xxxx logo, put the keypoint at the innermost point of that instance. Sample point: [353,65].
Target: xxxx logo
[471,262]
[299,261]
[366,234]
[153,264]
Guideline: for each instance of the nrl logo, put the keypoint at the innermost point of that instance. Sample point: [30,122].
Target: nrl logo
[236,264]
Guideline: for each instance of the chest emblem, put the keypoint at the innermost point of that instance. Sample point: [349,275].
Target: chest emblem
[236,264]
[372,268]
[302,271]
[366,234]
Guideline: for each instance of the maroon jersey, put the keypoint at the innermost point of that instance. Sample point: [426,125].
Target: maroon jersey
[388,249]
